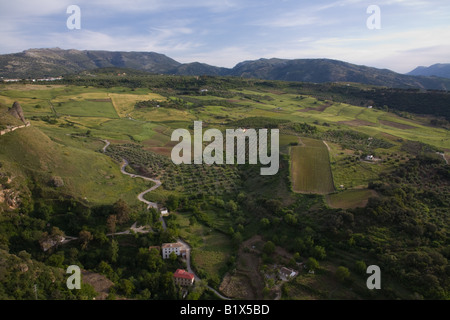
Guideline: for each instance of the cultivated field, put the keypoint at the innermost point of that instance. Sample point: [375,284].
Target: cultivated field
[350,198]
[310,165]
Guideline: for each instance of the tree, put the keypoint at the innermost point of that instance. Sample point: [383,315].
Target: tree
[290,219]
[144,218]
[173,257]
[237,239]
[56,260]
[269,248]
[57,234]
[126,286]
[241,197]
[231,206]
[114,250]
[361,267]
[265,223]
[192,220]
[122,211]
[105,269]
[342,273]
[312,264]
[273,205]
[111,223]
[85,236]
[167,286]
[172,202]
[318,252]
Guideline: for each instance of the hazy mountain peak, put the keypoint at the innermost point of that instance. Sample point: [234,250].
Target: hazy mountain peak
[437,70]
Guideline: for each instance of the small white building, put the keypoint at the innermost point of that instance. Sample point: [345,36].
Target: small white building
[168,248]
[286,273]
[164,212]
[369,157]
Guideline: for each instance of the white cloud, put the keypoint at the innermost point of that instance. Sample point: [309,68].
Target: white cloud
[29,8]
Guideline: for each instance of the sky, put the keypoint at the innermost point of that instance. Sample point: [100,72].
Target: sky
[225,32]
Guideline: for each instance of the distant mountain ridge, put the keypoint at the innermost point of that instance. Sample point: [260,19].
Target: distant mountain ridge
[55,62]
[35,63]
[437,70]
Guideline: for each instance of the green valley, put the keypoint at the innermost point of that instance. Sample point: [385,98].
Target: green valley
[359,184]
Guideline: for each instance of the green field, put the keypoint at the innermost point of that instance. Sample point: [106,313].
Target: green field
[87,108]
[310,165]
[349,199]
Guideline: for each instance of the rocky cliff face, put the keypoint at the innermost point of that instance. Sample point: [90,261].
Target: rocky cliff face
[17,112]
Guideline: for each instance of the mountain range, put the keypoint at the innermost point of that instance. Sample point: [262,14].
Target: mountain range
[35,63]
[437,70]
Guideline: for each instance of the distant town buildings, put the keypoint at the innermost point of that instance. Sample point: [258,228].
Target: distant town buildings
[183,278]
[32,80]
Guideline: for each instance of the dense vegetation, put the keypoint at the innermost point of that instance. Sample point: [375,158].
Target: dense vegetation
[409,100]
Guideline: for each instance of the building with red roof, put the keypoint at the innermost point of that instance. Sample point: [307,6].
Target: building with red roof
[183,278]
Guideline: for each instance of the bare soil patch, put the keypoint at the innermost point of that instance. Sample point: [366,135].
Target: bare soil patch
[160,129]
[397,125]
[100,283]
[321,108]
[118,141]
[357,123]
[246,282]
[100,100]
[164,151]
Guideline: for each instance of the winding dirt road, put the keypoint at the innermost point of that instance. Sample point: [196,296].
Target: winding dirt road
[142,194]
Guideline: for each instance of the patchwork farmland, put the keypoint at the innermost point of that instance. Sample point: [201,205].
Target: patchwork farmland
[346,174]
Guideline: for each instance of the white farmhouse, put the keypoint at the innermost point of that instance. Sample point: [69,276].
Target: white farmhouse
[164,212]
[168,248]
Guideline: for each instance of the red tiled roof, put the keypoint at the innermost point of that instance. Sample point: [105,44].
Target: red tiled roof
[180,273]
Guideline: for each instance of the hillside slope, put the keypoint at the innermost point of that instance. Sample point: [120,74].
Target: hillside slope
[30,159]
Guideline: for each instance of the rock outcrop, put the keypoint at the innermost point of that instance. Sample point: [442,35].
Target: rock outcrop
[17,112]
